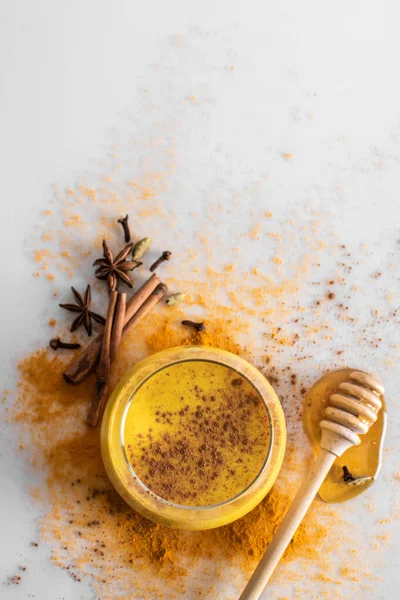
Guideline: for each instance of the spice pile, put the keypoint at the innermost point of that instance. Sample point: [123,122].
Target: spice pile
[122,316]
[104,539]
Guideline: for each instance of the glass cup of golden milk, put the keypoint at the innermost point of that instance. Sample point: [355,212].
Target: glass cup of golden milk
[193,437]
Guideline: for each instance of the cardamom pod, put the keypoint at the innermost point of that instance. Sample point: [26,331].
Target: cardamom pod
[176,299]
[140,248]
[359,481]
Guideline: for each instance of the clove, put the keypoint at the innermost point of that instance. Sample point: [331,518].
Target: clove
[125,227]
[166,255]
[354,481]
[56,343]
[194,325]
[347,476]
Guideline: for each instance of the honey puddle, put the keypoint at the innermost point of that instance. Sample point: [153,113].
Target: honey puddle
[357,469]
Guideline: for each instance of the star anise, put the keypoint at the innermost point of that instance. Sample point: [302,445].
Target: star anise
[82,307]
[113,269]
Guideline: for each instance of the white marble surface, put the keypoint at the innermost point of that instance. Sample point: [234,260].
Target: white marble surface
[316,80]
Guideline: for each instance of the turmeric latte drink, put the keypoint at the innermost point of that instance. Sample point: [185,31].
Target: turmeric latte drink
[193,437]
[197,433]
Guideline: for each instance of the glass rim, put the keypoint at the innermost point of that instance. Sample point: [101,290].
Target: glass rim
[137,494]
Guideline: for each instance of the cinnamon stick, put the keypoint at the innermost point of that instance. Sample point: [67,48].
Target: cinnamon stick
[81,367]
[111,336]
[151,301]
[136,301]
[103,372]
[118,325]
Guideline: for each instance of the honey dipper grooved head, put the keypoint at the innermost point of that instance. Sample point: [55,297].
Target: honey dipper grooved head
[354,408]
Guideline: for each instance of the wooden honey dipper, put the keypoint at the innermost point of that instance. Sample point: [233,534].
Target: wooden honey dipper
[354,408]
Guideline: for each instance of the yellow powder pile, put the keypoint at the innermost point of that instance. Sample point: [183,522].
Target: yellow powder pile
[99,535]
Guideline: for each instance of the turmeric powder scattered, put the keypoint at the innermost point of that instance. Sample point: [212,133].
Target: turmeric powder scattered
[84,505]
[92,532]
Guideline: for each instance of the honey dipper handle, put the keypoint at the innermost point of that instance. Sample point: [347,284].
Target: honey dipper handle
[289,525]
